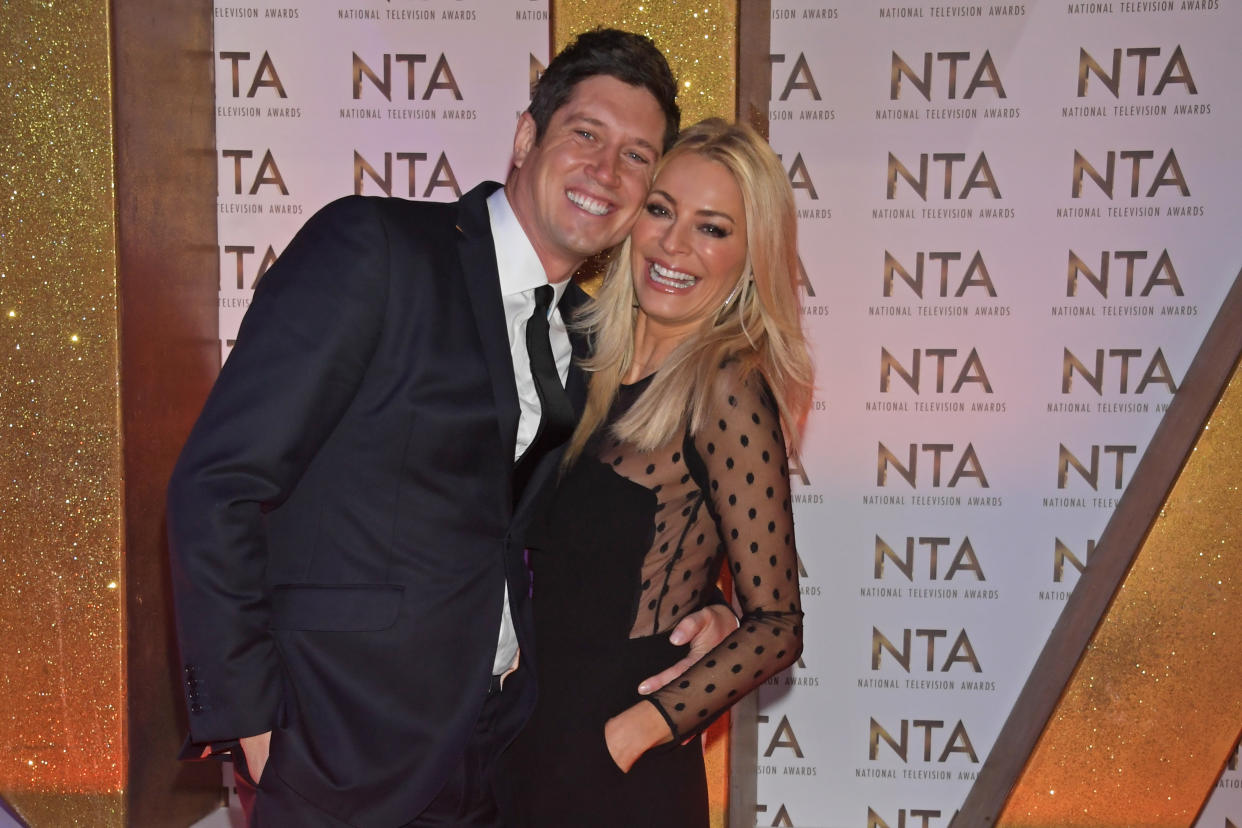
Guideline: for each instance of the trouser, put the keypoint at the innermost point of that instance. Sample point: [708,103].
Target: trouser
[466,800]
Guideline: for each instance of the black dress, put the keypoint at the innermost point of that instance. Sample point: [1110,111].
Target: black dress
[630,544]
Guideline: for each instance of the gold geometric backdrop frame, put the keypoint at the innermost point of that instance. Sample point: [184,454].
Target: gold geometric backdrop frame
[1134,707]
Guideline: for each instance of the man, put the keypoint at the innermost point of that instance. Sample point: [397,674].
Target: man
[347,517]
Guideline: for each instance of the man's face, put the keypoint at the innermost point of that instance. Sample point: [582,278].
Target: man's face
[578,191]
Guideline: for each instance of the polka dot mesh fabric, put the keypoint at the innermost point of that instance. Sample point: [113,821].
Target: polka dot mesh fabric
[722,496]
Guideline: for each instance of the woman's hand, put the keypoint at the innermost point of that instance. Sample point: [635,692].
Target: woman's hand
[633,732]
[702,630]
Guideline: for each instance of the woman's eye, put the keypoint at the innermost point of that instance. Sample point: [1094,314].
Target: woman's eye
[715,231]
[657,210]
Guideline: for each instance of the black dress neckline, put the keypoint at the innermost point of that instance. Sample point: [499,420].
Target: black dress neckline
[628,393]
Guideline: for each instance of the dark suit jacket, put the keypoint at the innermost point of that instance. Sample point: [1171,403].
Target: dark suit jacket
[341,517]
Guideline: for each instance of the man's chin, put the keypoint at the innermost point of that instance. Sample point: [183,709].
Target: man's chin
[588,246]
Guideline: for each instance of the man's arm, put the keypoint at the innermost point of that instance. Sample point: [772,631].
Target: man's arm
[300,356]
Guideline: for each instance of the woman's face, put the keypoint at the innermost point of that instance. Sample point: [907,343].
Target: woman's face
[688,247]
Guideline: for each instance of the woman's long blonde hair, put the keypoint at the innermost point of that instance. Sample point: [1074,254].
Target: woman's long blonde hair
[759,328]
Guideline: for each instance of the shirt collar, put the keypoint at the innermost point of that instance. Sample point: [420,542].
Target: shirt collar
[516,261]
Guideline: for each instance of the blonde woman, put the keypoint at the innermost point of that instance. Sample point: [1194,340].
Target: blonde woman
[699,378]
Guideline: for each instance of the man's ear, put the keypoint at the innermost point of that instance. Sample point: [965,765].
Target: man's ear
[523,138]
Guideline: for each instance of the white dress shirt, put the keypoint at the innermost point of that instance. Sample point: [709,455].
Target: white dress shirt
[520,273]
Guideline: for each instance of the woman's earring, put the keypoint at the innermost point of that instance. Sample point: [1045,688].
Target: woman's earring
[743,284]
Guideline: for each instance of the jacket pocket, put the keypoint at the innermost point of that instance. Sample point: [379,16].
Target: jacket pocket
[335,607]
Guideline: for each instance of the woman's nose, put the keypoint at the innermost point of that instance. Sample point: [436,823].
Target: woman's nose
[674,238]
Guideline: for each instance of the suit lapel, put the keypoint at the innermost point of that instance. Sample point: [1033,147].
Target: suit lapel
[477,253]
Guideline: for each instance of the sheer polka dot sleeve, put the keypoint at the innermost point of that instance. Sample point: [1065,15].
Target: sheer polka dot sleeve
[739,457]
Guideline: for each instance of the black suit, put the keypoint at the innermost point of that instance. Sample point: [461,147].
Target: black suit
[341,518]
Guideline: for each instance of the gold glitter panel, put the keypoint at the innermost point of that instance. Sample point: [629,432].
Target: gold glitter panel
[700,41]
[60,479]
[1154,706]
[698,38]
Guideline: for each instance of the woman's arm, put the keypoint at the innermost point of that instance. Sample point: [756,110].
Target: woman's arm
[633,732]
[740,456]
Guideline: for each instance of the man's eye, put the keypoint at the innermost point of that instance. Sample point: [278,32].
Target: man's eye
[638,158]
[587,134]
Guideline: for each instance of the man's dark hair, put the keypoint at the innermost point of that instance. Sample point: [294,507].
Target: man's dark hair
[628,57]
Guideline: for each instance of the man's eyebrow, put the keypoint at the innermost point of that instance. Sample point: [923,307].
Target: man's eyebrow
[581,117]
[647,145]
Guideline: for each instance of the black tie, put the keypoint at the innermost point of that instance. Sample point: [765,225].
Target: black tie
[557,420]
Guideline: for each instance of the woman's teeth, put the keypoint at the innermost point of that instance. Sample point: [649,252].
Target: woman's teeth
[670,278]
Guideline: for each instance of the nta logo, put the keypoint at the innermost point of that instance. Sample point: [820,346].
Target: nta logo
[1176,71]
[984,76]
[441,77]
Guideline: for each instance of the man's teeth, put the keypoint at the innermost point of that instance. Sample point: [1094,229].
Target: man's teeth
[592,206]
[671,278]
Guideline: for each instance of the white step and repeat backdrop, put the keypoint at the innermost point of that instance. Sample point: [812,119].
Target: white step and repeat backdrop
[1017,222]
[316,100]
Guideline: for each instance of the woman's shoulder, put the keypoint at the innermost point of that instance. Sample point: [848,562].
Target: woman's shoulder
[740,408]
[739,382]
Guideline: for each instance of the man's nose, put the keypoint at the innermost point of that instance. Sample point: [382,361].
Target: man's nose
[605,169]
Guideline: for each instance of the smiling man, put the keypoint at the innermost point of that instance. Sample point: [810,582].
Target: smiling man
[347,517]
[578,183]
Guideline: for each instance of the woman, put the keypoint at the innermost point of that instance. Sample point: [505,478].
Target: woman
[678,465]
